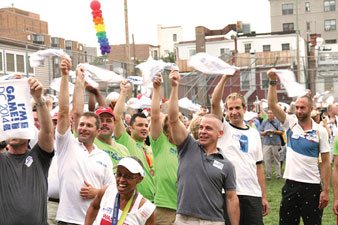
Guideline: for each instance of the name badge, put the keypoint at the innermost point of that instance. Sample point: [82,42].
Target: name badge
[218,165]
[29,161]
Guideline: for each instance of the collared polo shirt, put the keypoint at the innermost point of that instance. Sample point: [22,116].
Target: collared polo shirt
[201,178]
[303,150]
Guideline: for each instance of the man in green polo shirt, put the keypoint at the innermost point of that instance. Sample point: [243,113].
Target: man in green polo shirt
[135,142]
[104,140]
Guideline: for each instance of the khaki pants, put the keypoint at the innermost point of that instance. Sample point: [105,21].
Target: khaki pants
[52,208]
[190,220]
[164,216]
[271,154]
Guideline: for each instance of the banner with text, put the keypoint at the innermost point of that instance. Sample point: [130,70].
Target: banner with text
[16,116]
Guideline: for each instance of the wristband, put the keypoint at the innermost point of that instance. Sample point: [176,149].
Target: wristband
[40,103]
[273,82]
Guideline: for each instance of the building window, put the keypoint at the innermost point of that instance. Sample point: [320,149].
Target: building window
[20,63]
[245,80]
[329,25]
[329,5]
[307,6]
[174,37]
[222,51]
[288,27]
[1,61]
[331,41]
[155,54]
[266,48]
[38,39]
[285,46]
[69,45]
[10,63]
[308,26]
[55,42]
[247,48]
[192,52]
[264,80]
[287,9]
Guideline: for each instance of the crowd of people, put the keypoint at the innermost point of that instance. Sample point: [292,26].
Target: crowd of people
[104,166]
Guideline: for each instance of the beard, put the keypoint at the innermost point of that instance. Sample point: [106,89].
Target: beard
[303,117]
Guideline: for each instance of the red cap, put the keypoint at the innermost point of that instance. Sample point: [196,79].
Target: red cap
[55,116]
[101,110]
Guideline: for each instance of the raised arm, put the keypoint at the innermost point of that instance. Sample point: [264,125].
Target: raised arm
[94,96]
[78,97]
[156,123]
[272,98]
[178,130]
[46,133]
[63,114]
[119,108]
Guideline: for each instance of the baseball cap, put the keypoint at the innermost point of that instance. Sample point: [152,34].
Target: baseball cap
[55,116]
[132,165]
[101,110]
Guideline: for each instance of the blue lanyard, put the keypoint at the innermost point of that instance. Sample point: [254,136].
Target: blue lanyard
[116,210]
[117,207]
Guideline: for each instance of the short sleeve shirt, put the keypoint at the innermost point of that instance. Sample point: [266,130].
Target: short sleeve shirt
[116,151]
[165,167]
[243,147]
[76,165]
[201,179]
[271,138]
[23,187]
[147,186]
[303,150]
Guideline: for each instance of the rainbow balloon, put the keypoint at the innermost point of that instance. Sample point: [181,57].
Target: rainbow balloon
[100,27]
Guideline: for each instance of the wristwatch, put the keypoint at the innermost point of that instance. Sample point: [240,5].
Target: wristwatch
[273,82]
[40,103]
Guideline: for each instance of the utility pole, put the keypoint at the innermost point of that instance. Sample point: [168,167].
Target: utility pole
[297,33]
[127,38]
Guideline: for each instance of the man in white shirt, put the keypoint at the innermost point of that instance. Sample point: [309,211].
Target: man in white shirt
[242,146]
[302,194]
[83,168]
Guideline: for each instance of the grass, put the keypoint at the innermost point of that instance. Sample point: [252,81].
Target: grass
[274,189]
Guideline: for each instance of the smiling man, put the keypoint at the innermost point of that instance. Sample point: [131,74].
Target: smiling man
[83,168]
[203,172]
[242,146]
[104,140]
[307,141]
[136,141]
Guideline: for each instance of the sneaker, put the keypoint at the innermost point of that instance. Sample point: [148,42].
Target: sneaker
[268,178]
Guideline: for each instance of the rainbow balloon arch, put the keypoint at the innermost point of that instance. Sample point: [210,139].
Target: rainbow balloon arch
[100,27]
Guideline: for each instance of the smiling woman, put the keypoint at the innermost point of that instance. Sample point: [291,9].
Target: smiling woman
[122,203]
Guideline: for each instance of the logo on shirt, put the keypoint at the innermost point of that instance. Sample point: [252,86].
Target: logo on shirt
[102,164]
[173,151]
[244,143]
[218,165]
[29,161]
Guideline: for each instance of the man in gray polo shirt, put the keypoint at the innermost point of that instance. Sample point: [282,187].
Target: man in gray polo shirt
[203,170]
[271,130]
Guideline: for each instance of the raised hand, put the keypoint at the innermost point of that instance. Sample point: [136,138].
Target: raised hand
[157,82]
[65,66]
[174,78]
[36,89]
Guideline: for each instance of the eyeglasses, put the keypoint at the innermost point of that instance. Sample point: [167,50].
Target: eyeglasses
[125,176]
